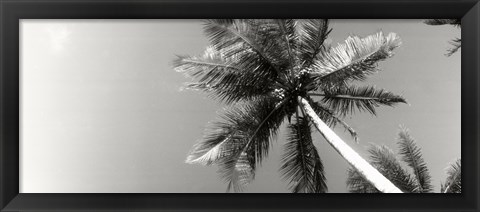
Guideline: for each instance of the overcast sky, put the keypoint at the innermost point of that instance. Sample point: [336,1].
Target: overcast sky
[102,109]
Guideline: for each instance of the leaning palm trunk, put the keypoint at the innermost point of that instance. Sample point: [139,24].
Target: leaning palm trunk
[353,158]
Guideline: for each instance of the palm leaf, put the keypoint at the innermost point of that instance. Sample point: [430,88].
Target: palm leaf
[356,183]
[301,164]
[329,117]
[457,44]
[239,170]
[348,99]
[223,137]
[413,157]
[387,163]
[382,158]
[355,59]
[240,140]
[287,30]
[222,77]
[255,42]
[204,65]
[455,22]
[312,35]
[454,179]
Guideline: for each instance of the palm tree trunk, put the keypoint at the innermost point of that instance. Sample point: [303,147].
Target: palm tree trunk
[353,158]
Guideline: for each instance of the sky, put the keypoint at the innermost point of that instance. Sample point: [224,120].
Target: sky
[102,110]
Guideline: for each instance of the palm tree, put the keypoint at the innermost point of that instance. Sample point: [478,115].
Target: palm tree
[453,183]
[387,163]
[457,42]
[267,71]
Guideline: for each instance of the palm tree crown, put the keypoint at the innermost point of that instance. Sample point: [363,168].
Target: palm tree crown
[418,180]
[263,70]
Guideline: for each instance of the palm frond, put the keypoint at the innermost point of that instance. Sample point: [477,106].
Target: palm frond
[301,164]
[455,22]
[356,183]
[255,42]
[453,183]
[223,137]
[355,59]
[240,140]
[287,30]
[329,117]
[212,147]
[312,35]
[239,170]
[384,159]
[206,64]
[232,88]
[222,77]
[457,44]
[413,157]
[348,99]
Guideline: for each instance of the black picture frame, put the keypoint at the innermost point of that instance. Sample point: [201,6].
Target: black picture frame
[12,11]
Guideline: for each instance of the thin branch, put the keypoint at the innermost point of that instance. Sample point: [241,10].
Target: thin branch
[345,96]
[210,64]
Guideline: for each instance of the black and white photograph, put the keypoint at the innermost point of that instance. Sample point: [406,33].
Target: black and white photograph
[240,106]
